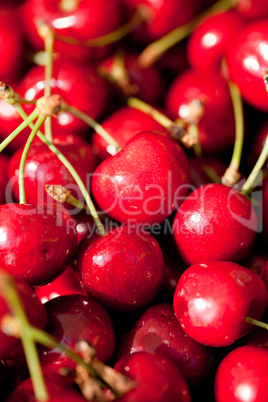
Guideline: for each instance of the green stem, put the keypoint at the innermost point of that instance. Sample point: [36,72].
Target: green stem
[194,132]
[155,50]
[13,300]
[72,171]
[27,121]
[36,127]
[251,181]
[92,123]
[144,107]
[49,43]
[256,322]
[138,18]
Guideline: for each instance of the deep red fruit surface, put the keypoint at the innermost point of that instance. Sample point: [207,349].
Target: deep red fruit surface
[212,300]
[157,330]
[253,9]
[35,241]
[76,317]
[123,270]
[246,62]
[122,125]
[80,86]
[11,43]
[44,167]
[82,20]
[145,182]
[66,283]
[4,161]
[211,38]
[36,313]
[158,379]
[215,222]
[216,126]
[241,376]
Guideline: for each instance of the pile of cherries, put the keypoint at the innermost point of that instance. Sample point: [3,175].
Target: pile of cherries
[133,200]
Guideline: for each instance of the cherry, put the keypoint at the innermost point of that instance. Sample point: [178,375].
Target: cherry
[216,126]
[241,376]
[158,378]
[123,270]
[43,167]
[78,85]
[246,62]
[11,42]
[4,161]
[211,39]
[215,222]
[10,346]
[66,283]
[72,318]
[123,124]
[157,330]
[252,10]
[36,243]
[79,21]
[213,299]
[144,182]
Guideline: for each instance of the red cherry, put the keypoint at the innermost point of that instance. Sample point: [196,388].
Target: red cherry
[241,376]
[123,270]
[122,125]
[36,243]
[246,62]
[215,222]
[157,330]
[66,283]
[253,9]
[11,42]
[36,313]
[209,41]
[80,86]
[44,167]
[158,379]
[72,318]
[82,20]
[216,126]
[144,182]
[212,300]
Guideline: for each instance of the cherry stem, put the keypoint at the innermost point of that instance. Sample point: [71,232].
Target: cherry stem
[231,176]
[21,127]
[138,18]
[255,177]
[256,322]
[72,171]
[95,125]
[194,132]
[36,127]
[12,298]
[155,50]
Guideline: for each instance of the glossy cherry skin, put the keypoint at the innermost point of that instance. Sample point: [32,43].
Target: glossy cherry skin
[253,9]
[213,299]
[158,331]
[44,167]
[216,126]
[144,182]
[72,318]
[163,17]
[123,270]
[158,378]
[246,62]
[241,376]
[79,85]
[36,313]
[11,42]
[215,222]
[211,39]
[36,243]
[85,20]
[122,125]
[66,283]
[4,161]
